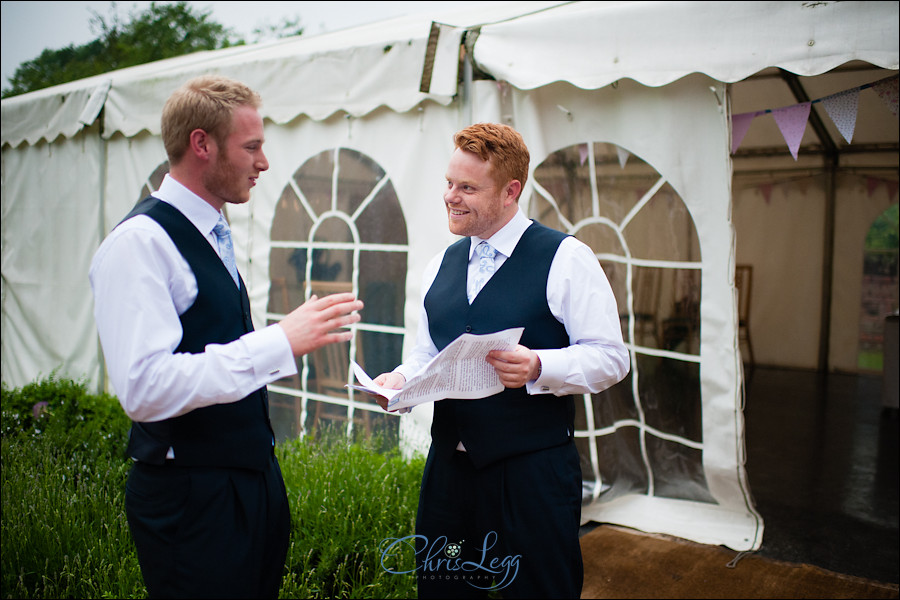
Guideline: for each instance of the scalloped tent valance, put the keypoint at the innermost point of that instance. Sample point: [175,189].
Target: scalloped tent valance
[529,44]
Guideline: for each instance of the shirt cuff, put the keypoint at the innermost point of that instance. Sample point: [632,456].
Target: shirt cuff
[270,353]
[553,373]
[405,371]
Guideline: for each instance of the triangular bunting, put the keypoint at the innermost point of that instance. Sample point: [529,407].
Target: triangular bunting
[892,189]
[739,126]
[843,108]
[582,153]
[766,190]
[791,121]
[871,184]
[887,91]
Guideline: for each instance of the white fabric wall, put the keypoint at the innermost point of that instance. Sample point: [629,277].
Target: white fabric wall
[780,230]
[783,240]
[50,230]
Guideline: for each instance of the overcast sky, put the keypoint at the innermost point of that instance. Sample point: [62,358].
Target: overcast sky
[28,28]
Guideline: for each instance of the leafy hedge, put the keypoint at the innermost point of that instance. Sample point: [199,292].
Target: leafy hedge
[65,535]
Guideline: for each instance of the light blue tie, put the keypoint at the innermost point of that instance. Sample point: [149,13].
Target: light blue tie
[486,254]
[226,248]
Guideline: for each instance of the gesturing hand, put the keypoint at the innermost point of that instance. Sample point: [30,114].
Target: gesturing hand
[319,322]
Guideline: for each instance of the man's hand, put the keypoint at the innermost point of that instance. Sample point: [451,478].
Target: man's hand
[319,322]
[392,381]
[515,367]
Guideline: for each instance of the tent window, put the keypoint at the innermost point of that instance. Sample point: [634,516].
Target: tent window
[155,180]
[338,226]
[645,434]
[879,288]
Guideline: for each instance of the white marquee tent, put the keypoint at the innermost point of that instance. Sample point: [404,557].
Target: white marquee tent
[629,112]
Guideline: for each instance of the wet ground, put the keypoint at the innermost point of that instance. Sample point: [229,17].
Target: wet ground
[822,462]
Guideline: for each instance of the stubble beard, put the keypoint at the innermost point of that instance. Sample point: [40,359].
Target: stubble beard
[224,181]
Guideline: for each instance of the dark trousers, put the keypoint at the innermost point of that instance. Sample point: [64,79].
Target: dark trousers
[207,532]
[510,528]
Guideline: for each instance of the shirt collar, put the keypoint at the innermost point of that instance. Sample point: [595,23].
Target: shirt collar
[505,240]
[196,209]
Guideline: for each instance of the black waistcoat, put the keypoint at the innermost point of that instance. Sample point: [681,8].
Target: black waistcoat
[511,422]
[237,434]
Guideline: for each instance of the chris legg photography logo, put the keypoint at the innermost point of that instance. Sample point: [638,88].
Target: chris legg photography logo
[440,559]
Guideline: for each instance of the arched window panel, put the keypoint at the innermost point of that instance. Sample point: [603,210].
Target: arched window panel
[315,179]
[623,471]
[563,175]
[285,420]
[332,256]
[612,405]
[359,176]
[662,229]
[542,211]
[286,274]
[644,435]
[381,352]
[603,238]
[679,312]
[595,179]
[155,180]
[338,227]
[381,276]
[670,396]
[677,470]
[383,217]
[293,221]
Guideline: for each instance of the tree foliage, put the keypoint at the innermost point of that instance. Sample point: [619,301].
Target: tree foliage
[163,30]
[885,231]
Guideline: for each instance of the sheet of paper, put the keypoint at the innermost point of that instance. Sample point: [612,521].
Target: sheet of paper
[459,371]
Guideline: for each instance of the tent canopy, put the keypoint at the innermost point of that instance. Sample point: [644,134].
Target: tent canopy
[528,44]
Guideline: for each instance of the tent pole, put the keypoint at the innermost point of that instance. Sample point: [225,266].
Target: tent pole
[467,83]
[102,382]
[832,159]
[827,262]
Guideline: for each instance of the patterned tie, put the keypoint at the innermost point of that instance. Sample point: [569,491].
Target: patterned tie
[486,255]
[226,248]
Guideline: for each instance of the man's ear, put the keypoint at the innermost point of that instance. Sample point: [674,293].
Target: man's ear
[201,144]
[512,192]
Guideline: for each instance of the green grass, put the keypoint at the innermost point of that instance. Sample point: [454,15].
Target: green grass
[65,535]
[346,499]
[871,360]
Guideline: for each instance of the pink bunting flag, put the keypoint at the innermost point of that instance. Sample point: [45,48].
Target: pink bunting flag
[843,108]
[582,153]
[791,121]
[739,126]
[871,184]
[887,91]
[892,189]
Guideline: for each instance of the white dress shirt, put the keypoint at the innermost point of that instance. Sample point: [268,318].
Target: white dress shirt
[141,284]
[579,296]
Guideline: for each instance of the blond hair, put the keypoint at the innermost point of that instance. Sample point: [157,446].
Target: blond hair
[500,144]
[205,102]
